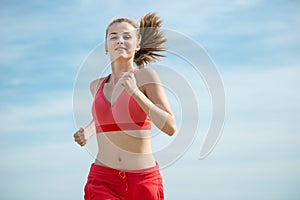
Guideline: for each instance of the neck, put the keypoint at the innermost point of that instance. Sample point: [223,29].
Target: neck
[120,66]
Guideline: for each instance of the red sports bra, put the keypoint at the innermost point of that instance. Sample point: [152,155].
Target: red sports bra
[124,114]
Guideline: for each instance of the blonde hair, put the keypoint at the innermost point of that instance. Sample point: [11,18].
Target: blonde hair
[151,38]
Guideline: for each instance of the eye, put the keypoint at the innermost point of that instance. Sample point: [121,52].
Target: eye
[127,37]
[114,38]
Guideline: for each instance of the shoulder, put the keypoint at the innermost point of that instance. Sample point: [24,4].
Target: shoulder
[147,76]
[95,84]
[149,82]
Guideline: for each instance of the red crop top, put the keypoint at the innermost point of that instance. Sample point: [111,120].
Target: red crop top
[124,114]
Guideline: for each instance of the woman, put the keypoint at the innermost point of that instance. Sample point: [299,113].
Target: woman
[126,102]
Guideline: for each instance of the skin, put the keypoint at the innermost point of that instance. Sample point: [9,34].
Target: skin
[130,149]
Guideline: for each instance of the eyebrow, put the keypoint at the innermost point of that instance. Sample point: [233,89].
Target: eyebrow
[114,33]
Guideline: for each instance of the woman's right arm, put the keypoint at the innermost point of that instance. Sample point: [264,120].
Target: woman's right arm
[83,134]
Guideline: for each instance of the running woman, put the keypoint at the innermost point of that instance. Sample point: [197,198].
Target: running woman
[126,103]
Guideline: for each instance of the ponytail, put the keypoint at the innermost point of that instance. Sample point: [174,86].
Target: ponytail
[151,40]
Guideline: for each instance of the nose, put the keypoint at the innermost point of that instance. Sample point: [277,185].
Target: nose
[120,40]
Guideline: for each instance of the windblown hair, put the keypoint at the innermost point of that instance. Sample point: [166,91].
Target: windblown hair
[151,38]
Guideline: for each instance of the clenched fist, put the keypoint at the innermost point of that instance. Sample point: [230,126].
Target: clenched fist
[128,81]
[81,137]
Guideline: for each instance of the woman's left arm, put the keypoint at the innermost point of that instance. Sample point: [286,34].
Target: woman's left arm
[151,98]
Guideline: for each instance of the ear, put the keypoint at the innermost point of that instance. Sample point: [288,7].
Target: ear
[137,49]
[138,45]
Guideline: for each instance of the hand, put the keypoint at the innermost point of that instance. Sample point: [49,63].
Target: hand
[80,137]
[128,81]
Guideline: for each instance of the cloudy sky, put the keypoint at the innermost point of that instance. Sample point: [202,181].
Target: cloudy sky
[254,44]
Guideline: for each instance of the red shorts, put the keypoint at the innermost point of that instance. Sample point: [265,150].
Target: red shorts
[111,184]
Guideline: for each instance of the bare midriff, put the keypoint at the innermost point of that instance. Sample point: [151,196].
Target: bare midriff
[126,150]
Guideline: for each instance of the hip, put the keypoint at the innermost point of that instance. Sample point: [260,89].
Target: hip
[105,183]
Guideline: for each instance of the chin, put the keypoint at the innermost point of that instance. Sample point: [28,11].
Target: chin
[121,57]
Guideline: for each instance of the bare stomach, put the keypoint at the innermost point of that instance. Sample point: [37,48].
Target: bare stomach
[129,150]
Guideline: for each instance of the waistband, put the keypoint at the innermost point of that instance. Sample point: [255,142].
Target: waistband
[103,170]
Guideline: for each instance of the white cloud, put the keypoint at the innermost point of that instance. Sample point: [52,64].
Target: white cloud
[262,114]
[51,170]
[44,115]
[263,88]
[196,16]
[211,180]
[259,146]
[257,156]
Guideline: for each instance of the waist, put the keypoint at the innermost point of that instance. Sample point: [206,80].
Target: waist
[125,161]
[125,142]
[125,149]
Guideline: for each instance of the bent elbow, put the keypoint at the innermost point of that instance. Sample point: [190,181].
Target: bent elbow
[171,129]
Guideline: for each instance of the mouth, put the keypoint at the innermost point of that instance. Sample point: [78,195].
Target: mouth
[120,48]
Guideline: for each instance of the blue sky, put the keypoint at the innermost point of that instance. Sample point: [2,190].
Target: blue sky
[255,46]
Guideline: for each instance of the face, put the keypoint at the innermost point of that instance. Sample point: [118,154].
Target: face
[122,41]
